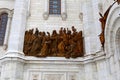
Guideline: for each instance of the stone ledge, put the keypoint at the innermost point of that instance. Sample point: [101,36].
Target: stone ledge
[55,60]
[62,60]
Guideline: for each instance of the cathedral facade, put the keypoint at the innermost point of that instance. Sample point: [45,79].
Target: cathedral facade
[59,39]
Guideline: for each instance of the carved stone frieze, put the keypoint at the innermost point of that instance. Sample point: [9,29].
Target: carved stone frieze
[67,43]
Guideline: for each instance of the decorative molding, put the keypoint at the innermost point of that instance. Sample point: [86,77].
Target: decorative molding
[28,7]
[81,16]
[111,29]
[45,15]
[54,76]
[6,10]
[10,14]
[64,16]
[63,61]
[63,10]
[46,10]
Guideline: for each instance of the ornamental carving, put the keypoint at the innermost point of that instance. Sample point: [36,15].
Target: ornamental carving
[65,43]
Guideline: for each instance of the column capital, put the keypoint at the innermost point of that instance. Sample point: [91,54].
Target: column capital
[10,15]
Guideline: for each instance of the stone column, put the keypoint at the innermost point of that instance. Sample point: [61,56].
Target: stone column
[16,38]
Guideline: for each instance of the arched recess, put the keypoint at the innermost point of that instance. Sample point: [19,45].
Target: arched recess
[111,30]
[10,13]
[117,41]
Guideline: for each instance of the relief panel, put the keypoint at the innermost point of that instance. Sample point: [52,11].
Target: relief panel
[72,76]
[34,76]
[54,76]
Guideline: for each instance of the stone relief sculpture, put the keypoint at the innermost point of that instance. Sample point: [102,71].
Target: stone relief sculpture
[103,20]
[66,43]
[118,1]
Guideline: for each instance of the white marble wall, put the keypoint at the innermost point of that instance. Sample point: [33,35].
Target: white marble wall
[37,10]
[96,65]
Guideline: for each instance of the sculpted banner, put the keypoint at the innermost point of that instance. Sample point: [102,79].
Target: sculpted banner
[67,43]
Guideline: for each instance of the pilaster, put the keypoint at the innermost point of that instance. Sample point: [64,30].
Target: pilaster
[16,37]
[117,66]
[63,10]
[46,10]
[103,72]
[13,62]
[112,68]
[12,69]
[92,42]
[89,71]
[97,24]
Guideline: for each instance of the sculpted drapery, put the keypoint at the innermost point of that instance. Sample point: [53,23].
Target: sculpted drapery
[66,43]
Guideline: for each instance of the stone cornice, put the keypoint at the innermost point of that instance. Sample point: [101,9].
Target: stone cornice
[55,60]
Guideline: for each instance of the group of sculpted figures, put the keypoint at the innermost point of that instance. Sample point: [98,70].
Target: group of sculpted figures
[67,43]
